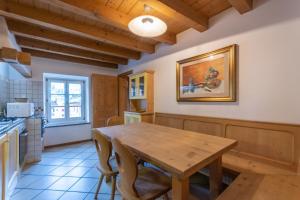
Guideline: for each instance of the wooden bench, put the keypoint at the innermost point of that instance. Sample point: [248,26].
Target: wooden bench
[263,187]
[264,148]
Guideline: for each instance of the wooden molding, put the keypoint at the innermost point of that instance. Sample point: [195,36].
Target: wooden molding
[97,11]
[44,54]
[242,6]
[27,30]
[67,143]
[65,50]
[44,18]
[187,11]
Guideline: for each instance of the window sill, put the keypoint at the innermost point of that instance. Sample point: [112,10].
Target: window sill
[53,125]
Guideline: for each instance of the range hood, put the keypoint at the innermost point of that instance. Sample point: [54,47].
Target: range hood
[11,53]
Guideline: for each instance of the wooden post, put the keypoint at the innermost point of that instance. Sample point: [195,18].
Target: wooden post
[215,178]
[180,188]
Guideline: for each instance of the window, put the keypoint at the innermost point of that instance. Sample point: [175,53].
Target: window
[65,100]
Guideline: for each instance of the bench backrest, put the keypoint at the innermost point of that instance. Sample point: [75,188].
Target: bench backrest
[273,142]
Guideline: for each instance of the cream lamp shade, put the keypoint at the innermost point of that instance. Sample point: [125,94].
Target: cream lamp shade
[147,26]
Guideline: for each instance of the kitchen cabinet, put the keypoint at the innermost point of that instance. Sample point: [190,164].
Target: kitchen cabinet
[140,85]
[133,117]
[13,159]
[3,166]
[141,91]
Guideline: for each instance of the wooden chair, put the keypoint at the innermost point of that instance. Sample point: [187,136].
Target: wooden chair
[138,183]
[106,167]
[115,120]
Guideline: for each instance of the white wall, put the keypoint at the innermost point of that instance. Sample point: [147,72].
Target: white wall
[3,70]
[269,66]
[65,134]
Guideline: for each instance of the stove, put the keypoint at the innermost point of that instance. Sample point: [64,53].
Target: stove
[5,122]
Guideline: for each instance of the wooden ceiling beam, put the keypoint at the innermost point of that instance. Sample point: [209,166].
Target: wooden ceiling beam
[242,6]
[55,56]
[65,50]
[18,60]
[44,18]
[20,28]
[13,56]
[187,11]
[172,13]
[97,11]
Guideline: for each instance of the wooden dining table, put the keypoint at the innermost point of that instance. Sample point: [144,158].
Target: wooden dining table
[179,152]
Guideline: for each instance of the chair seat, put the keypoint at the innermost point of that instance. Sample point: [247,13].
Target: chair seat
[151,183]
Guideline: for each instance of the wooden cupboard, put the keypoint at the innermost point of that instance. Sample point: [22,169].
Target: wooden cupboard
[139,84]
[13,159]
[141,91]
[3,165]
[133,117]
[104,98]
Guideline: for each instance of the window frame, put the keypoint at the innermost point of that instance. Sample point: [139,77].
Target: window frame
[67,120]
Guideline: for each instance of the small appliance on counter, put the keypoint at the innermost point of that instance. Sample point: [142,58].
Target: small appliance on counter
[20,109]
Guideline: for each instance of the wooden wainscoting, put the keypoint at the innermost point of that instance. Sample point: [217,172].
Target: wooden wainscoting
[268,148]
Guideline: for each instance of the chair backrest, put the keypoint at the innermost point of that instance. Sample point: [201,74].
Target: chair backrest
[115,120]
[127,169]
[104,149]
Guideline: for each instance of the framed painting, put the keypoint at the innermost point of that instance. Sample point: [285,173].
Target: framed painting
[210,77]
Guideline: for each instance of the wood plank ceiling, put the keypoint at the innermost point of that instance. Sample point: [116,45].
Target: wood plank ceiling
[95,32]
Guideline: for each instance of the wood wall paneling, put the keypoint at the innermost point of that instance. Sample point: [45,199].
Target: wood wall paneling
[203,127]
[273,144]
[270,148]
[169,121]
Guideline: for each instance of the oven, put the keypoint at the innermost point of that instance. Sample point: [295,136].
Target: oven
[23,140]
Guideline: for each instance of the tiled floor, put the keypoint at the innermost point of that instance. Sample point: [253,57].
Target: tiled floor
[69,173]
[65,173]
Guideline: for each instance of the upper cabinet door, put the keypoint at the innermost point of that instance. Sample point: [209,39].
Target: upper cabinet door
[133,87]
[138,86]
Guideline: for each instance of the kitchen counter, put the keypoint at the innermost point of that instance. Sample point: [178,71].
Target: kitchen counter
[6,126]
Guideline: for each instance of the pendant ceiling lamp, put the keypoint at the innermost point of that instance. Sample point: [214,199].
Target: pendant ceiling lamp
[147,25]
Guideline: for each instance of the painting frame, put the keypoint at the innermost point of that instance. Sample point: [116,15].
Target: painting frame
[232,70]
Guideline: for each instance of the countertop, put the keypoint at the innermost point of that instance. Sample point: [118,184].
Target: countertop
[5,128]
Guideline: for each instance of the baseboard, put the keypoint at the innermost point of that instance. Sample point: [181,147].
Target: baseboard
[67,143]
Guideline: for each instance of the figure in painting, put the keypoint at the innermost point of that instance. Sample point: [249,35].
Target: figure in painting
[211,80]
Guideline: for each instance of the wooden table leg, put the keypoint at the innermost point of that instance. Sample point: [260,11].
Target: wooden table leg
[180,188]
[215,178]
